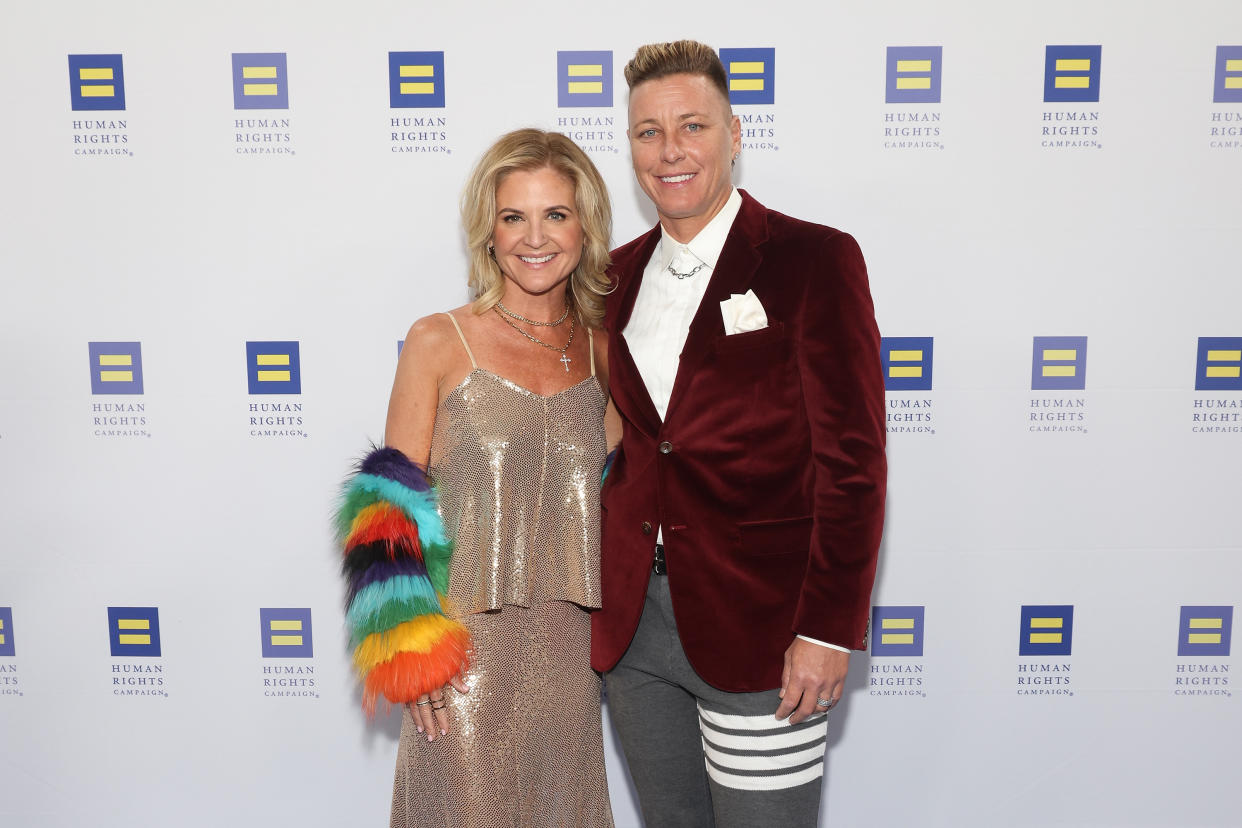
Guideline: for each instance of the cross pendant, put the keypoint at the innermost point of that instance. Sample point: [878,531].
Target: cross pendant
[565,360]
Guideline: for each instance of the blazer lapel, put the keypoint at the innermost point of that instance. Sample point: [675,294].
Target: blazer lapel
[626,383]
[735,269]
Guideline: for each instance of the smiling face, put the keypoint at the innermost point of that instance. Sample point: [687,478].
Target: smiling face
[683,138]
[537,236]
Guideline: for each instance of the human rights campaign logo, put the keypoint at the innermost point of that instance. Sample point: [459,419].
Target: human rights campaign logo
[1046,630]
[1059,363]
[1072,74]
[913,74]
[1218,366]
[260,80]
[751,74]
[416,80]
[1204,631]
[583,79]
[907,362]
[1228,86]
[273,368]
[134,631]
[897,631]
[116,367]
[286,633]
[7,648]
[96,82]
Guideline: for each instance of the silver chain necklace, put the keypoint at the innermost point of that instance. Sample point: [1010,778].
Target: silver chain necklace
[688,274]
[521,318]
[565,358]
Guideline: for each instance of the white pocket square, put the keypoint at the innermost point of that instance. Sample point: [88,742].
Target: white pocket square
[743,312]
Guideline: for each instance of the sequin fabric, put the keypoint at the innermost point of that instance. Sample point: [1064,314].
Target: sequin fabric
[518,477]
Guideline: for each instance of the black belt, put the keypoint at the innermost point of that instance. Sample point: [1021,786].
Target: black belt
[658,565]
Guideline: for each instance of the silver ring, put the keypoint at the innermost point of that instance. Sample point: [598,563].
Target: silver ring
[824,702]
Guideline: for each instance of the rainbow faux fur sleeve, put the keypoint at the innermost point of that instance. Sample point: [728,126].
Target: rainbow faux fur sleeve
[396,569]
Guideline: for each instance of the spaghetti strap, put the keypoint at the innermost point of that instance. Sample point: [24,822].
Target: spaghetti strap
[591,348]
[466,344]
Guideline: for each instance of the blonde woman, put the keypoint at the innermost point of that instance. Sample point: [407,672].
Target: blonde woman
[502,403]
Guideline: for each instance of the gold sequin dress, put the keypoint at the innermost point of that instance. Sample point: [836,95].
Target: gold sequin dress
[518,477]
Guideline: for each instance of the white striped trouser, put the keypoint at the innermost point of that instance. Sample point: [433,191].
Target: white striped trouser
[758,753]
[701,757]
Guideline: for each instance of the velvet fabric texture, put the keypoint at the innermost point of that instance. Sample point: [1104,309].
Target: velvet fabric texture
[768,473]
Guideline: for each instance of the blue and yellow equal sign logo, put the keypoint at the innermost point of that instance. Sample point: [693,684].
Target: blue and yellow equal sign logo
[286,632]
[1059,363]
[913,74]
[1218,366]
[1046,630]
[260,80]
[96,82]
[1072,74]
[1204,631]
[897,631]
[583,79]
[751,74]
[116,367]
[273,368]
[1228,86]
[907,362]
[7,647]
[134,631]
[416,80]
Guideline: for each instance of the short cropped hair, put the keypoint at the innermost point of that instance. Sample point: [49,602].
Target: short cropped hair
[530,150]
[681,57]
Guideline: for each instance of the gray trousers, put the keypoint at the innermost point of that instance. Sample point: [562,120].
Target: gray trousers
[702,757]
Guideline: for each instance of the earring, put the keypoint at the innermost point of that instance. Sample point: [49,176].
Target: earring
[491,252]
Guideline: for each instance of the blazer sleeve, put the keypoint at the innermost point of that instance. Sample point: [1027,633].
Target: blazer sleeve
[838,354]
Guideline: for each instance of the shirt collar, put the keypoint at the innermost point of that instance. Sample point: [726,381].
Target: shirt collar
[709,242]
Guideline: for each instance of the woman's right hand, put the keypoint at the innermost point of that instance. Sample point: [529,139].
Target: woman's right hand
[431,710]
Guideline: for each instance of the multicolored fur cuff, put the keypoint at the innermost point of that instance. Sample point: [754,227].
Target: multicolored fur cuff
[396,567]
[612,455]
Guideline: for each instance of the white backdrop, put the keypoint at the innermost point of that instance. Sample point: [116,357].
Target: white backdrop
[982,232]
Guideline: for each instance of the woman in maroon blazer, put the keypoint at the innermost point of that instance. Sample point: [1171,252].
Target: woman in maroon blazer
[743,513]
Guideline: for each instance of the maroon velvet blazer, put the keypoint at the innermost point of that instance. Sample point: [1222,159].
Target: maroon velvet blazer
[768,473]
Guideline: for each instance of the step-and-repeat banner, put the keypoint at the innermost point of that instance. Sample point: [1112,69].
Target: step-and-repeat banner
[218,221]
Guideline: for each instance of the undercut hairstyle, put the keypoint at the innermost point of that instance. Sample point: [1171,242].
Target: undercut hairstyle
[681,57]
[530,150]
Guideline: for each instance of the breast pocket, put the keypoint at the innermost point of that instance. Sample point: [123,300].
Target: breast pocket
[765,339]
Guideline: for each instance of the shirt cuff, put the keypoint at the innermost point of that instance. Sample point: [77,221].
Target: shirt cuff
[824,643]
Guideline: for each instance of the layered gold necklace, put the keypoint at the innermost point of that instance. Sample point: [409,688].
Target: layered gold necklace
[508,316]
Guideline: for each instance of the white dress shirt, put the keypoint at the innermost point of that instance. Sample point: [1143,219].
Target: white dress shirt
[665,306]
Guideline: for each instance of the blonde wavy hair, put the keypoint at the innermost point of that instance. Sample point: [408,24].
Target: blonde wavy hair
[528,150]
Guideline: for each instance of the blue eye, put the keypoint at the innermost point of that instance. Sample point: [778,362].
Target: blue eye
[556,215]
[694,127]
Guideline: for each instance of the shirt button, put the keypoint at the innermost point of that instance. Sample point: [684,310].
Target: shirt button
[666,447]
[646,528]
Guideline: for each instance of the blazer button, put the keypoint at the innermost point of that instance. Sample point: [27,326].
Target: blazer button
[646,527]
[666,447]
